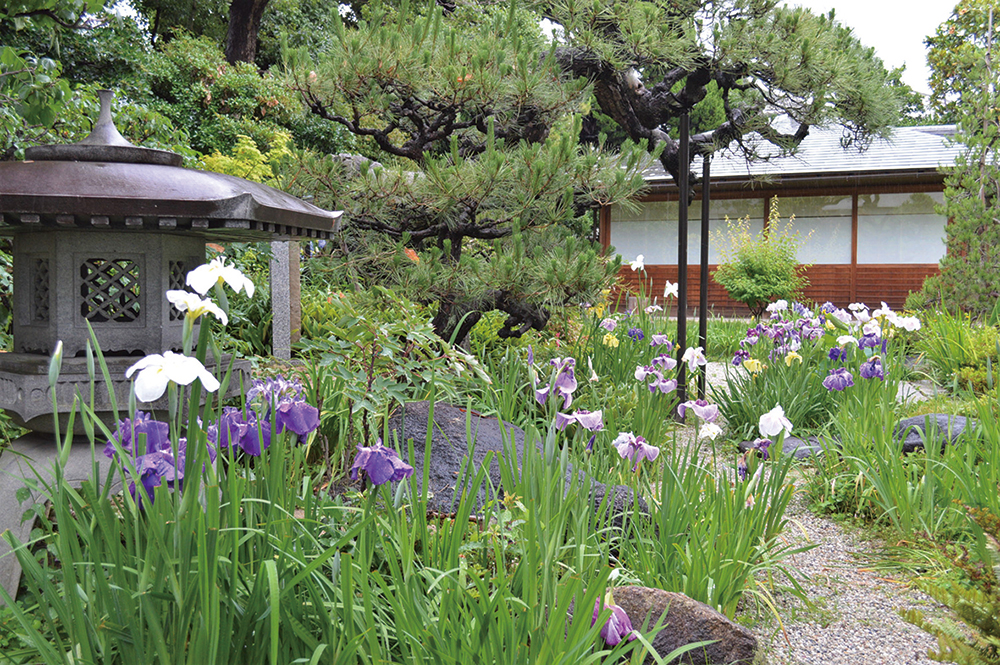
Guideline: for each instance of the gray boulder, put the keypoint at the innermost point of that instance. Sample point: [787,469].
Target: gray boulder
[687,621]
[794,446]
[447,472]
[913,432]
[449,448]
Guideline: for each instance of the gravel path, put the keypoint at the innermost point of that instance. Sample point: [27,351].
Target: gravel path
[855,616]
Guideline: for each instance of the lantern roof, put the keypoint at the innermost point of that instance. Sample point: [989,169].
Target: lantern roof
[105,182]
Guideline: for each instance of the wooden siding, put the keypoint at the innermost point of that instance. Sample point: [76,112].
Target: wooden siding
[840,284]
[891,282]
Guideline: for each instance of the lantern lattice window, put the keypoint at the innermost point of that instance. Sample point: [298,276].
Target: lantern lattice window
[110,290]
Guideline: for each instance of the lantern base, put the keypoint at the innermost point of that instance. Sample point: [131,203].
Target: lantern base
[27,398]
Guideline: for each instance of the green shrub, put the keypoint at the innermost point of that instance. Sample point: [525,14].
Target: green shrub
[959,349]
[192,84]
[757,270]
[383,347]
[976,603]
[490,349]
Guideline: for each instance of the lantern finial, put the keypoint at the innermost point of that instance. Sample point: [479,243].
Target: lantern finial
[104,131]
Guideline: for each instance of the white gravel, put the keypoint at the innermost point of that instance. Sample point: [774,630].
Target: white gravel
[857,619]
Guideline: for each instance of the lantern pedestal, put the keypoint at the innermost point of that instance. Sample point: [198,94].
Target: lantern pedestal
[27,397]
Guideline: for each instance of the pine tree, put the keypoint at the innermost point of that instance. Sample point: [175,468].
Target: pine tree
[970,271]
[481,170]
[476,116]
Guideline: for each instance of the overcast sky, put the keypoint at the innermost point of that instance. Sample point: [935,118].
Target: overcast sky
[896,28]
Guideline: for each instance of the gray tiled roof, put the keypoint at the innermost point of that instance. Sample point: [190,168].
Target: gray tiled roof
[907,149]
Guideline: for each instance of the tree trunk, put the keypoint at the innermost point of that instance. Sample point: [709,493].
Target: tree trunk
[244,24]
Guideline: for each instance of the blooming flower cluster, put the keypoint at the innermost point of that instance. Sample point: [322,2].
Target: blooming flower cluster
[156,371]
[655,370]
[845,335]
[276,400]
[563,385]
[146,442]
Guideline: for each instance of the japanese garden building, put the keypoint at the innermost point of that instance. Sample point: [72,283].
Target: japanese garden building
[867,221]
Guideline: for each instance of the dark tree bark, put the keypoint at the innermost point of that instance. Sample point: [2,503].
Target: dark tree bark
[244,24]
[456,316]
[643,111]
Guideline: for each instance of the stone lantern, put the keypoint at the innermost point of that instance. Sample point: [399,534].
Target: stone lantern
[101,229]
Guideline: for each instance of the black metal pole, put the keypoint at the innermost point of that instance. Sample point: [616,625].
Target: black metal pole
[706,168]
[682,256]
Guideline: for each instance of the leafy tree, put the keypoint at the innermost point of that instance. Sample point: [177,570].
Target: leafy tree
[766,61]
[168,19]
[483,176]
[970,278]
[32,92]
[38,103]
[955,50]
[241,34]
[446,97]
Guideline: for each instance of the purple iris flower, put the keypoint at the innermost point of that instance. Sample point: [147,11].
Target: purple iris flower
[869,341]
[634,448]
[618,626]
[665,386]
[609,324]
[237,427]
[154,469]
[636,334]
[564,384]
[740,356]
[161,467]
[589,420]
[665,362]
[812,332]
[641,372]
[283,401]
[297,416]
[274,390]
[837,354]
[873,369]
[702,409]
[838,379]
[742,471]
[828,307]
[380,463]
[761,446]
[658,340]
[157,435]
[531,355]
[800,309]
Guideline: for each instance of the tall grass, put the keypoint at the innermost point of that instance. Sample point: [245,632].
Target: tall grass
[706,536]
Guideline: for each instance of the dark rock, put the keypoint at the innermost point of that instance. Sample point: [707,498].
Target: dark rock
[796,447]
[913,432]
[450,447]
[621,503]
[687,621]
